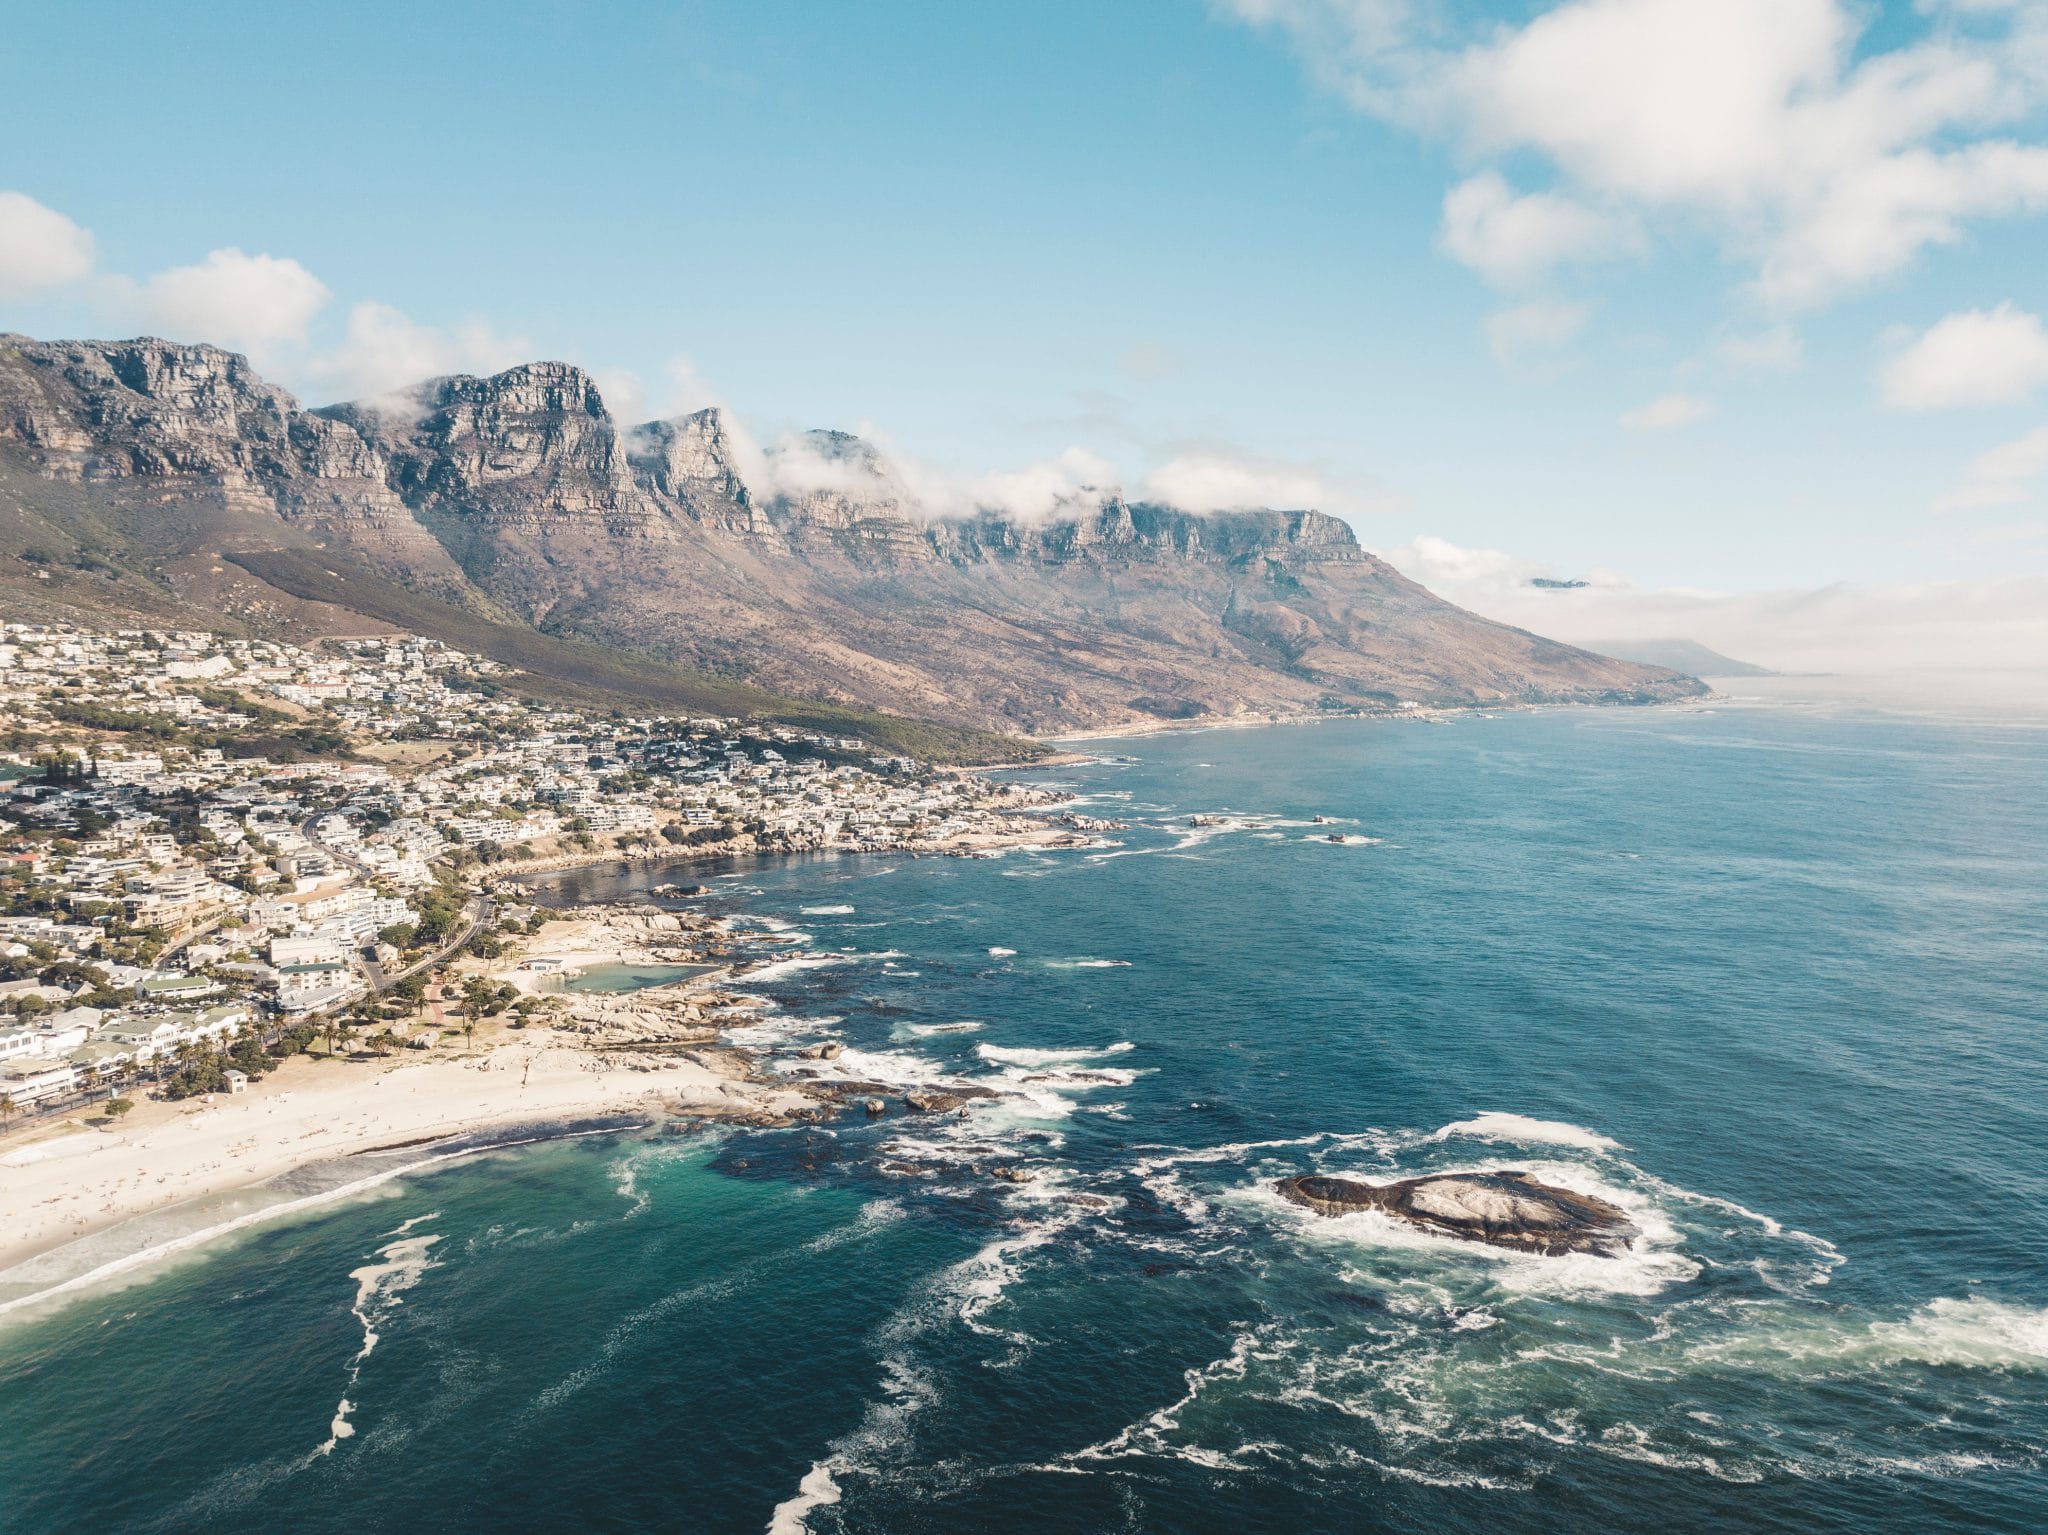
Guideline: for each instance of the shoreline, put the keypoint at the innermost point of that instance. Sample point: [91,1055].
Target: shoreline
[1049,825]
[76,1181]
[651,1053]
[172,1245]
[1057,829]
[1423,715]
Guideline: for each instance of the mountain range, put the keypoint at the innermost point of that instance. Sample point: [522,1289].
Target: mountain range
[515,514]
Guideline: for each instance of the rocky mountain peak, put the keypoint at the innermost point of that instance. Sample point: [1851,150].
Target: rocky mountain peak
[146,406]
[531,444]
[531,389]
[840,483]
[813,569]
[686,456]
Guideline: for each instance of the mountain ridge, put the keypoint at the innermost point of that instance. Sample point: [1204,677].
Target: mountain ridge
[519,497]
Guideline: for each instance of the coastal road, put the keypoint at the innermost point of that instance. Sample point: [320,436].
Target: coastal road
[306,831]
[476,911]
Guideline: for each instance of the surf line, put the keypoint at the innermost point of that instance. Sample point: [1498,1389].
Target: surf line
[193,1239]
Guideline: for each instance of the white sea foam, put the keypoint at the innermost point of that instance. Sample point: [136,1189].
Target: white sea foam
[897,1067]
[776,970]
[186,1241]
[926,1030]
[1087,964]
[627,1185]
[379,1287]
[1011,1056]
[1969,1332]
[1152,1434]
[1527,1132]
[818,1489]
[826,911]
[1001,953]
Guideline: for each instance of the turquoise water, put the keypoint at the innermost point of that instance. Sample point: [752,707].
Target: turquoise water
[1771,977]
[629,977]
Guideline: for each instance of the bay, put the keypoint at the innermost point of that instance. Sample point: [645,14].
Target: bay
[1769,974]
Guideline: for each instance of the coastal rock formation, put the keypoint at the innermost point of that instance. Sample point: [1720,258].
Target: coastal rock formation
[1503,1208]
[928,1100]
[812,569]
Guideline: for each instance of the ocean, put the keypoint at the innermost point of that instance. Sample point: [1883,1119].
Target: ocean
[1768,972]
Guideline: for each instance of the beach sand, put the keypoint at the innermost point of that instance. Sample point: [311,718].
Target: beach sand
[77,1179]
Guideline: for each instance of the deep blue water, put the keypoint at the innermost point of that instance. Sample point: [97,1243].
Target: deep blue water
[1771,977]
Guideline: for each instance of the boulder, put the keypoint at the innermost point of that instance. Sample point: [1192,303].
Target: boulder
[1503,1208]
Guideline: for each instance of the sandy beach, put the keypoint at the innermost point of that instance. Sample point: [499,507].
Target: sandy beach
[652,1051]
[78,1180]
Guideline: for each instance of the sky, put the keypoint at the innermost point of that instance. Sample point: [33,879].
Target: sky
[1732,309]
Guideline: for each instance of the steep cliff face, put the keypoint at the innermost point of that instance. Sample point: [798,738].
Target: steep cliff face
[531,446]
[158,425]
[691,461]
[811,569]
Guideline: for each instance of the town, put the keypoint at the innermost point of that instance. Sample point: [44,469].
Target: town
[220,850]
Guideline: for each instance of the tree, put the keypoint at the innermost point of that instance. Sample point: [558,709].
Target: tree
[477,997]
[117,1107]
[7,1106]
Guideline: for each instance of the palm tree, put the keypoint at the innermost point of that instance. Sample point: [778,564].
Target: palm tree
[7,1107]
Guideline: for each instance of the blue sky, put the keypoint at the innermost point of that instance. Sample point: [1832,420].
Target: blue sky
[1648,290]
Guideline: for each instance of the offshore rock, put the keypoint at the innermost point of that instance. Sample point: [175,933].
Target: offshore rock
[1503,1209]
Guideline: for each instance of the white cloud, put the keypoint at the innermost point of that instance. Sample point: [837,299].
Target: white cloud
[1445,567]
[1512,239]
[1665,412]
[232,299]
[624,393]
[1215,479]
[1974,357]
[1072,482]
[2008,475]
[1873,218]
[1541,326]
[685,391]
[264,305]
[1820,162]
[39,247]
[1977,624]
[383,349]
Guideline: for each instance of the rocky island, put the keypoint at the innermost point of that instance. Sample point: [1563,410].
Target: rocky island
[1502,1208]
